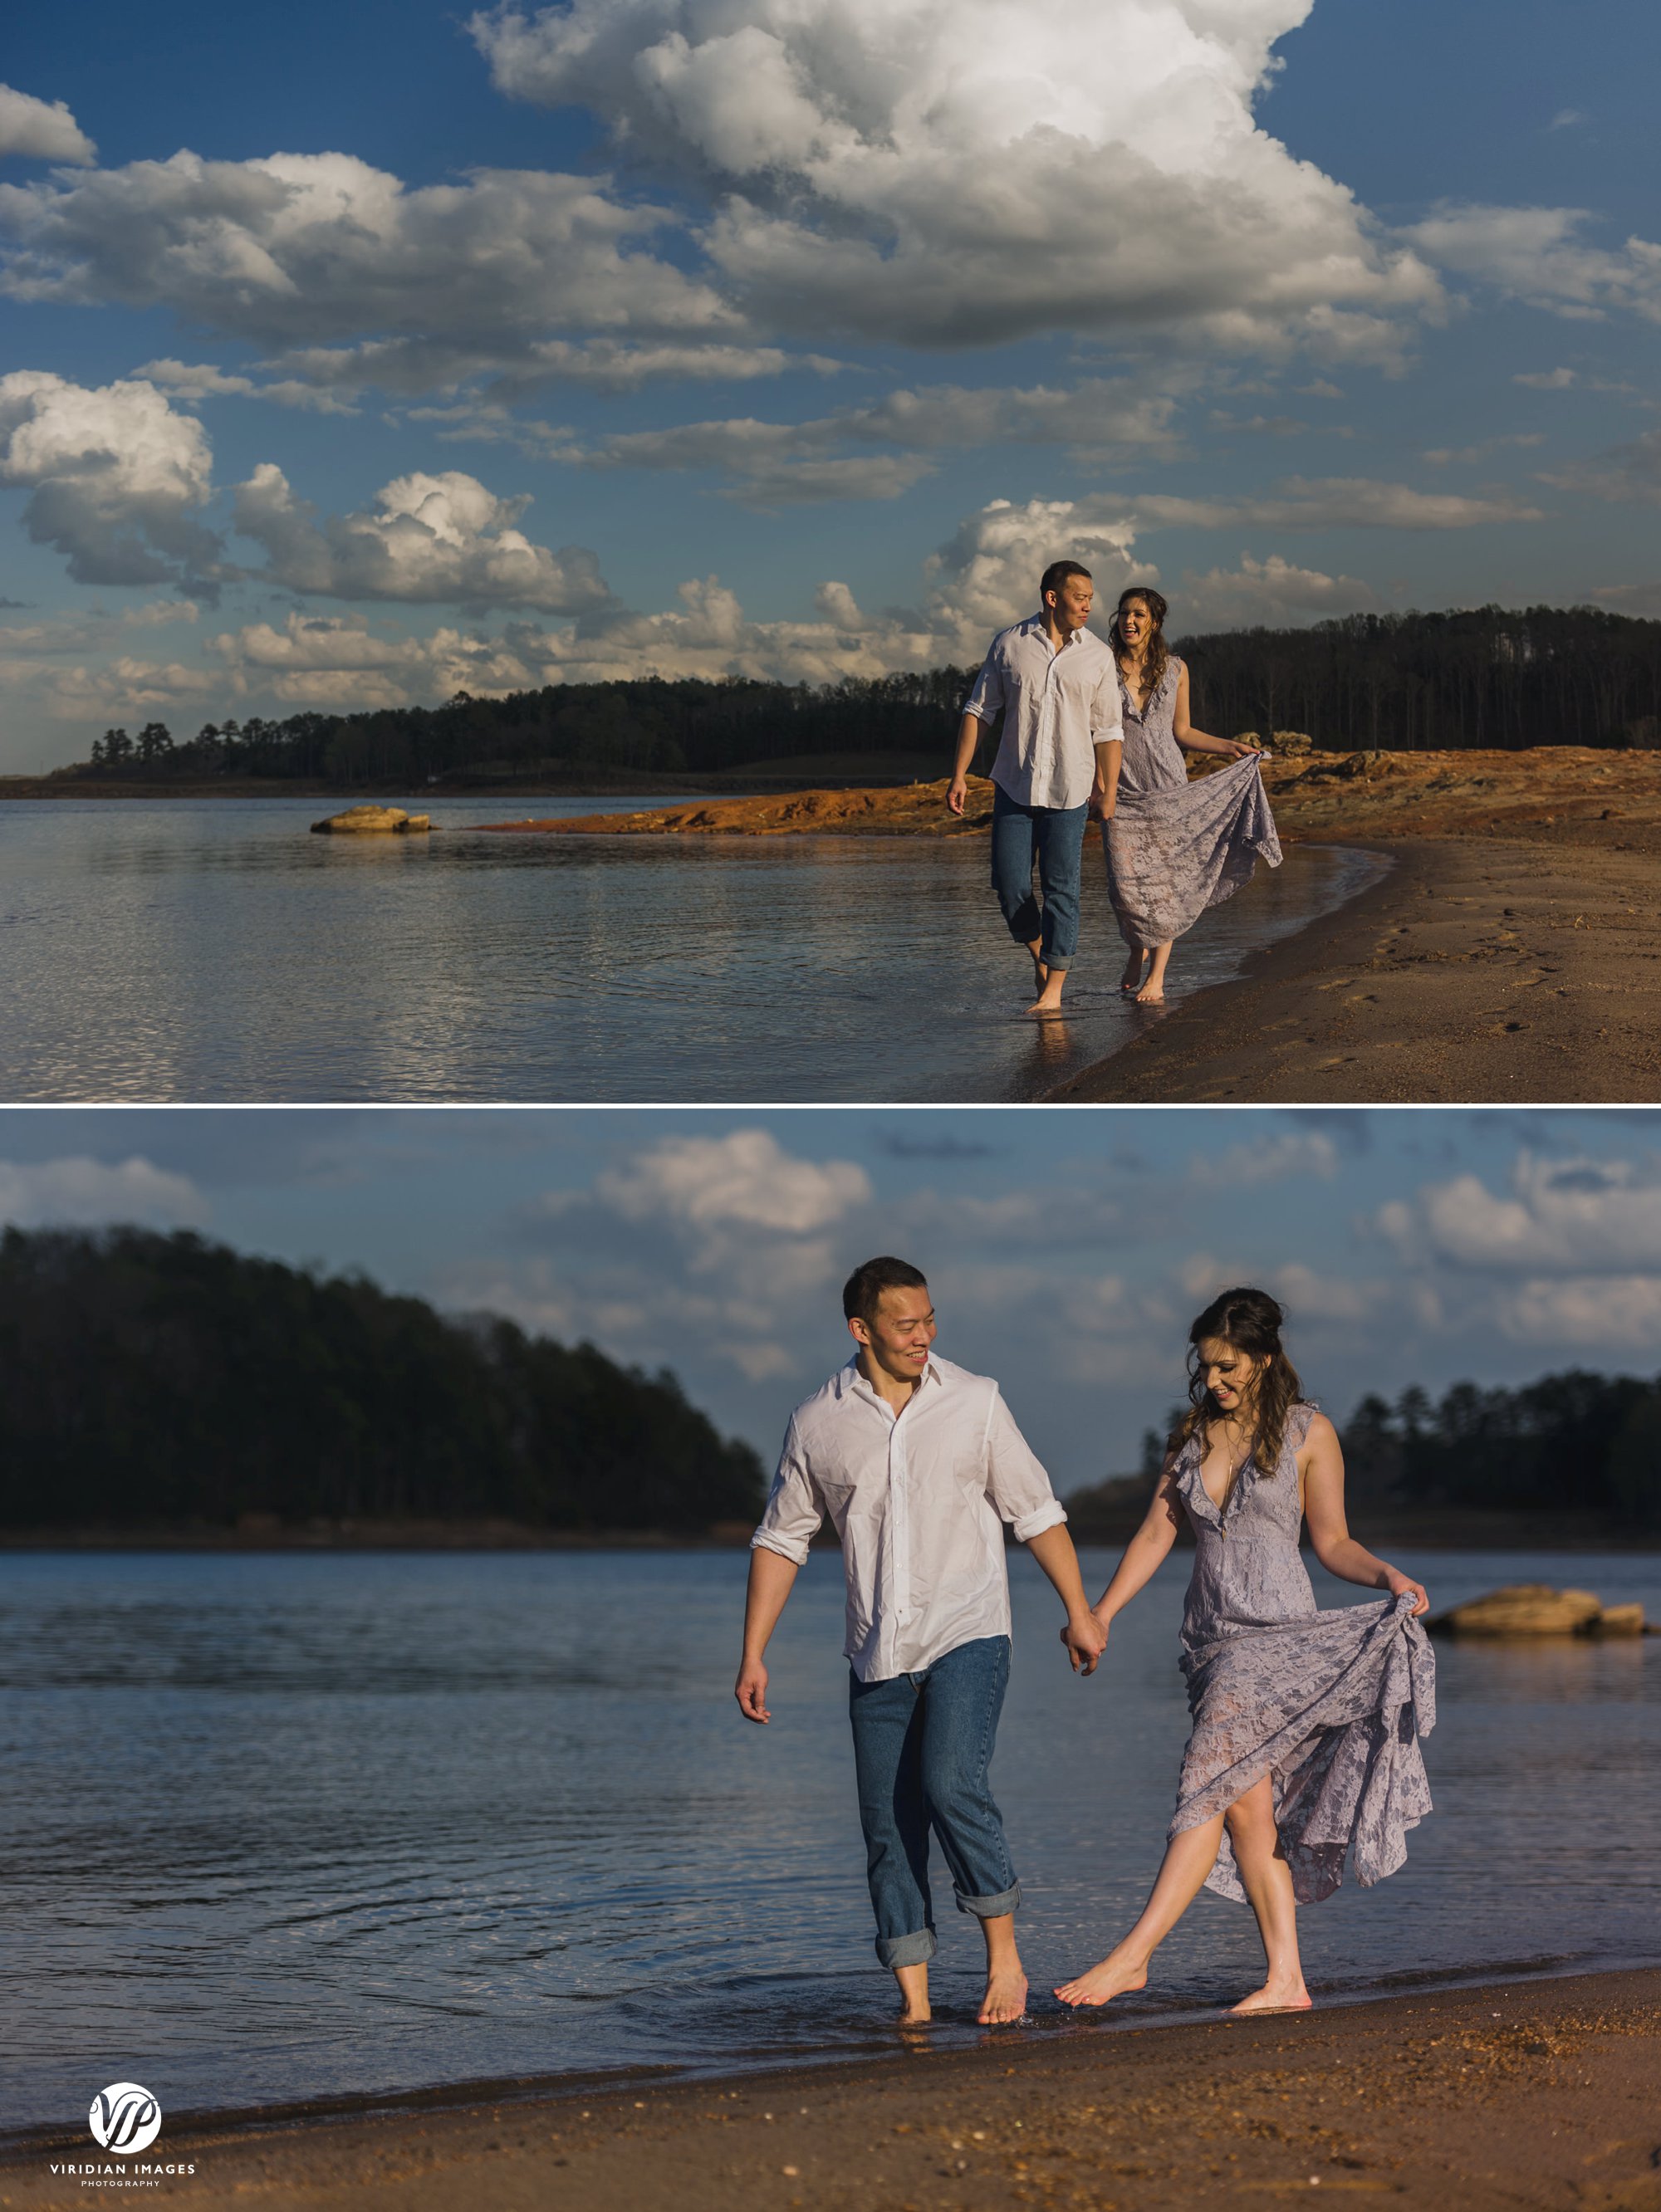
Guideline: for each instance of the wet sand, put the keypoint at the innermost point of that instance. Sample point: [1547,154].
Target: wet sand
[1475,972]
[1530,2093]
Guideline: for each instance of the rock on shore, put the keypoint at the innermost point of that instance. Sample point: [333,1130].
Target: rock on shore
[1536,1609]
[370,821]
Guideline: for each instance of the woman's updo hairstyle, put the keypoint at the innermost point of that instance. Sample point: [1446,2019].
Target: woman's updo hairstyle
[1251,1322]
[1159,653]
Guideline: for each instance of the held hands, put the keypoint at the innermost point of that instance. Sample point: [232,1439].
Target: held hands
[750,1691]
[1085,1640]
[956,792]
[1396,1583]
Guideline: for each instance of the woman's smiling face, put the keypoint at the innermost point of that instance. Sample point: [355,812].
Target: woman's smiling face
[1232,1376]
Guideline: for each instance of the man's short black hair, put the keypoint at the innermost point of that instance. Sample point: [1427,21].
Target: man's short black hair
[862,1293]
[1056,574]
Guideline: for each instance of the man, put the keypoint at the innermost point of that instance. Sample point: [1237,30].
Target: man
[919,1465]
[1059,686]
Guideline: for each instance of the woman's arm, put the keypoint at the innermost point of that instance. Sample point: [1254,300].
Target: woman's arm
[1196,741]
[1143,1555]
[1321,1464]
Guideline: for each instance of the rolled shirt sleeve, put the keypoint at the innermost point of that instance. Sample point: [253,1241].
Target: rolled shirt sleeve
[987,695]
[794,1512]
[1016,1482]
[1106,717]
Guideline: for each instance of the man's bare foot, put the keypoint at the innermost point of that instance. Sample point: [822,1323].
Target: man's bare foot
[1111,1978]
[915,2013]
[1151,994]
[1040,972]
[1006,1995]
[1049,1000]
[1277,1997]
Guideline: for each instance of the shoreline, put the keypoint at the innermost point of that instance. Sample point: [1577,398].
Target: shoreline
[1475,971]
[1511,2090]
[1452,1529]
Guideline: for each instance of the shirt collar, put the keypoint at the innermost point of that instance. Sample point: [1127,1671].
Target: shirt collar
[849,1378]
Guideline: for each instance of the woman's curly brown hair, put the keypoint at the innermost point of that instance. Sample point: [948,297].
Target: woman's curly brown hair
[1251,1322]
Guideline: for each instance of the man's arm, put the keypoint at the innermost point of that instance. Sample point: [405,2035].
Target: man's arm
[969,737]
[1083,1636]
[772,1577]
[979,709]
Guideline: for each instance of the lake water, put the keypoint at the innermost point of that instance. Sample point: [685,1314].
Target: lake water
[289,1827]
[213,950]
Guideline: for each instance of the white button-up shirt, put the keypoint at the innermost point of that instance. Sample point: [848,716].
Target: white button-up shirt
[1062,704]
[919,1499]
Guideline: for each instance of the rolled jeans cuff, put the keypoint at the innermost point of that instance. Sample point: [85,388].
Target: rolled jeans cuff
[991,1908]
[907,1950]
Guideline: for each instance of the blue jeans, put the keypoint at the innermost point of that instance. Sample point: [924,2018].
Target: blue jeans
[921,1746]
[1054,835]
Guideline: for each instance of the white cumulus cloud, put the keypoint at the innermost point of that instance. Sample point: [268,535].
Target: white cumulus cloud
[41,131]
[1574,1216]
[78,1191]
[116,478]
[1271,592]
[943,173]
[1540,255]
[745,1179]
[434,538]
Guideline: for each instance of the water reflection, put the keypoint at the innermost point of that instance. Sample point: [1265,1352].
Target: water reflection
[217,950]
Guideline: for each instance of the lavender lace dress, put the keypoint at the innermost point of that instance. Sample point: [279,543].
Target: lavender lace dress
[1330,1704]
[1175,848]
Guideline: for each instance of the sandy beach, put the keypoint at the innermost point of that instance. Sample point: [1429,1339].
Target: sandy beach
[1509,953]
[1532,2093]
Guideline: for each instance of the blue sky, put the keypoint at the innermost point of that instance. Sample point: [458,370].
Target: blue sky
[1068,1252]
[354,356]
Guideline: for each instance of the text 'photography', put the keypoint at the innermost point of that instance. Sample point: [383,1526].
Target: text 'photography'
[830,1106]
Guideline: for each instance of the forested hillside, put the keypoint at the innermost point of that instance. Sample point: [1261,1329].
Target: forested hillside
[1484,677]
[162,1380]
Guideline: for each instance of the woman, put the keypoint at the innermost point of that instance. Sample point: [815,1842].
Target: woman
[1173,847]
[1306,1723]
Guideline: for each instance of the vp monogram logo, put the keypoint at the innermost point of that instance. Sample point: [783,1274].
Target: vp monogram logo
[124,2118]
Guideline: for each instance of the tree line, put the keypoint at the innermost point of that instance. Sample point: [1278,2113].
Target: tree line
[163,1381]
[1575,1443]
[1483,677]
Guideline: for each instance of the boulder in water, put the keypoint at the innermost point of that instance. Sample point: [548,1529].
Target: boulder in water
[361,821]
[1522,1609]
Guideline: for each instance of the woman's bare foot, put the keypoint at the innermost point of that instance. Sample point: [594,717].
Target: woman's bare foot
[1006,1995]
[1111,1978]
[1277,1997]
[1131,979]
[1151,994]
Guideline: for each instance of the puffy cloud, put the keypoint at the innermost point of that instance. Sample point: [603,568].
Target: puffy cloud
[430,537]
[745,1179]
[1569,1216]
[299,249]
[1270,592]
[939,174]
[82,1192]
[1603,1313]
[116,476]
[1539,256]
[1335,503]
[41,132]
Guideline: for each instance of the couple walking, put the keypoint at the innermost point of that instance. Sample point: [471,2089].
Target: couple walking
[1094,728]
[1304,1748]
